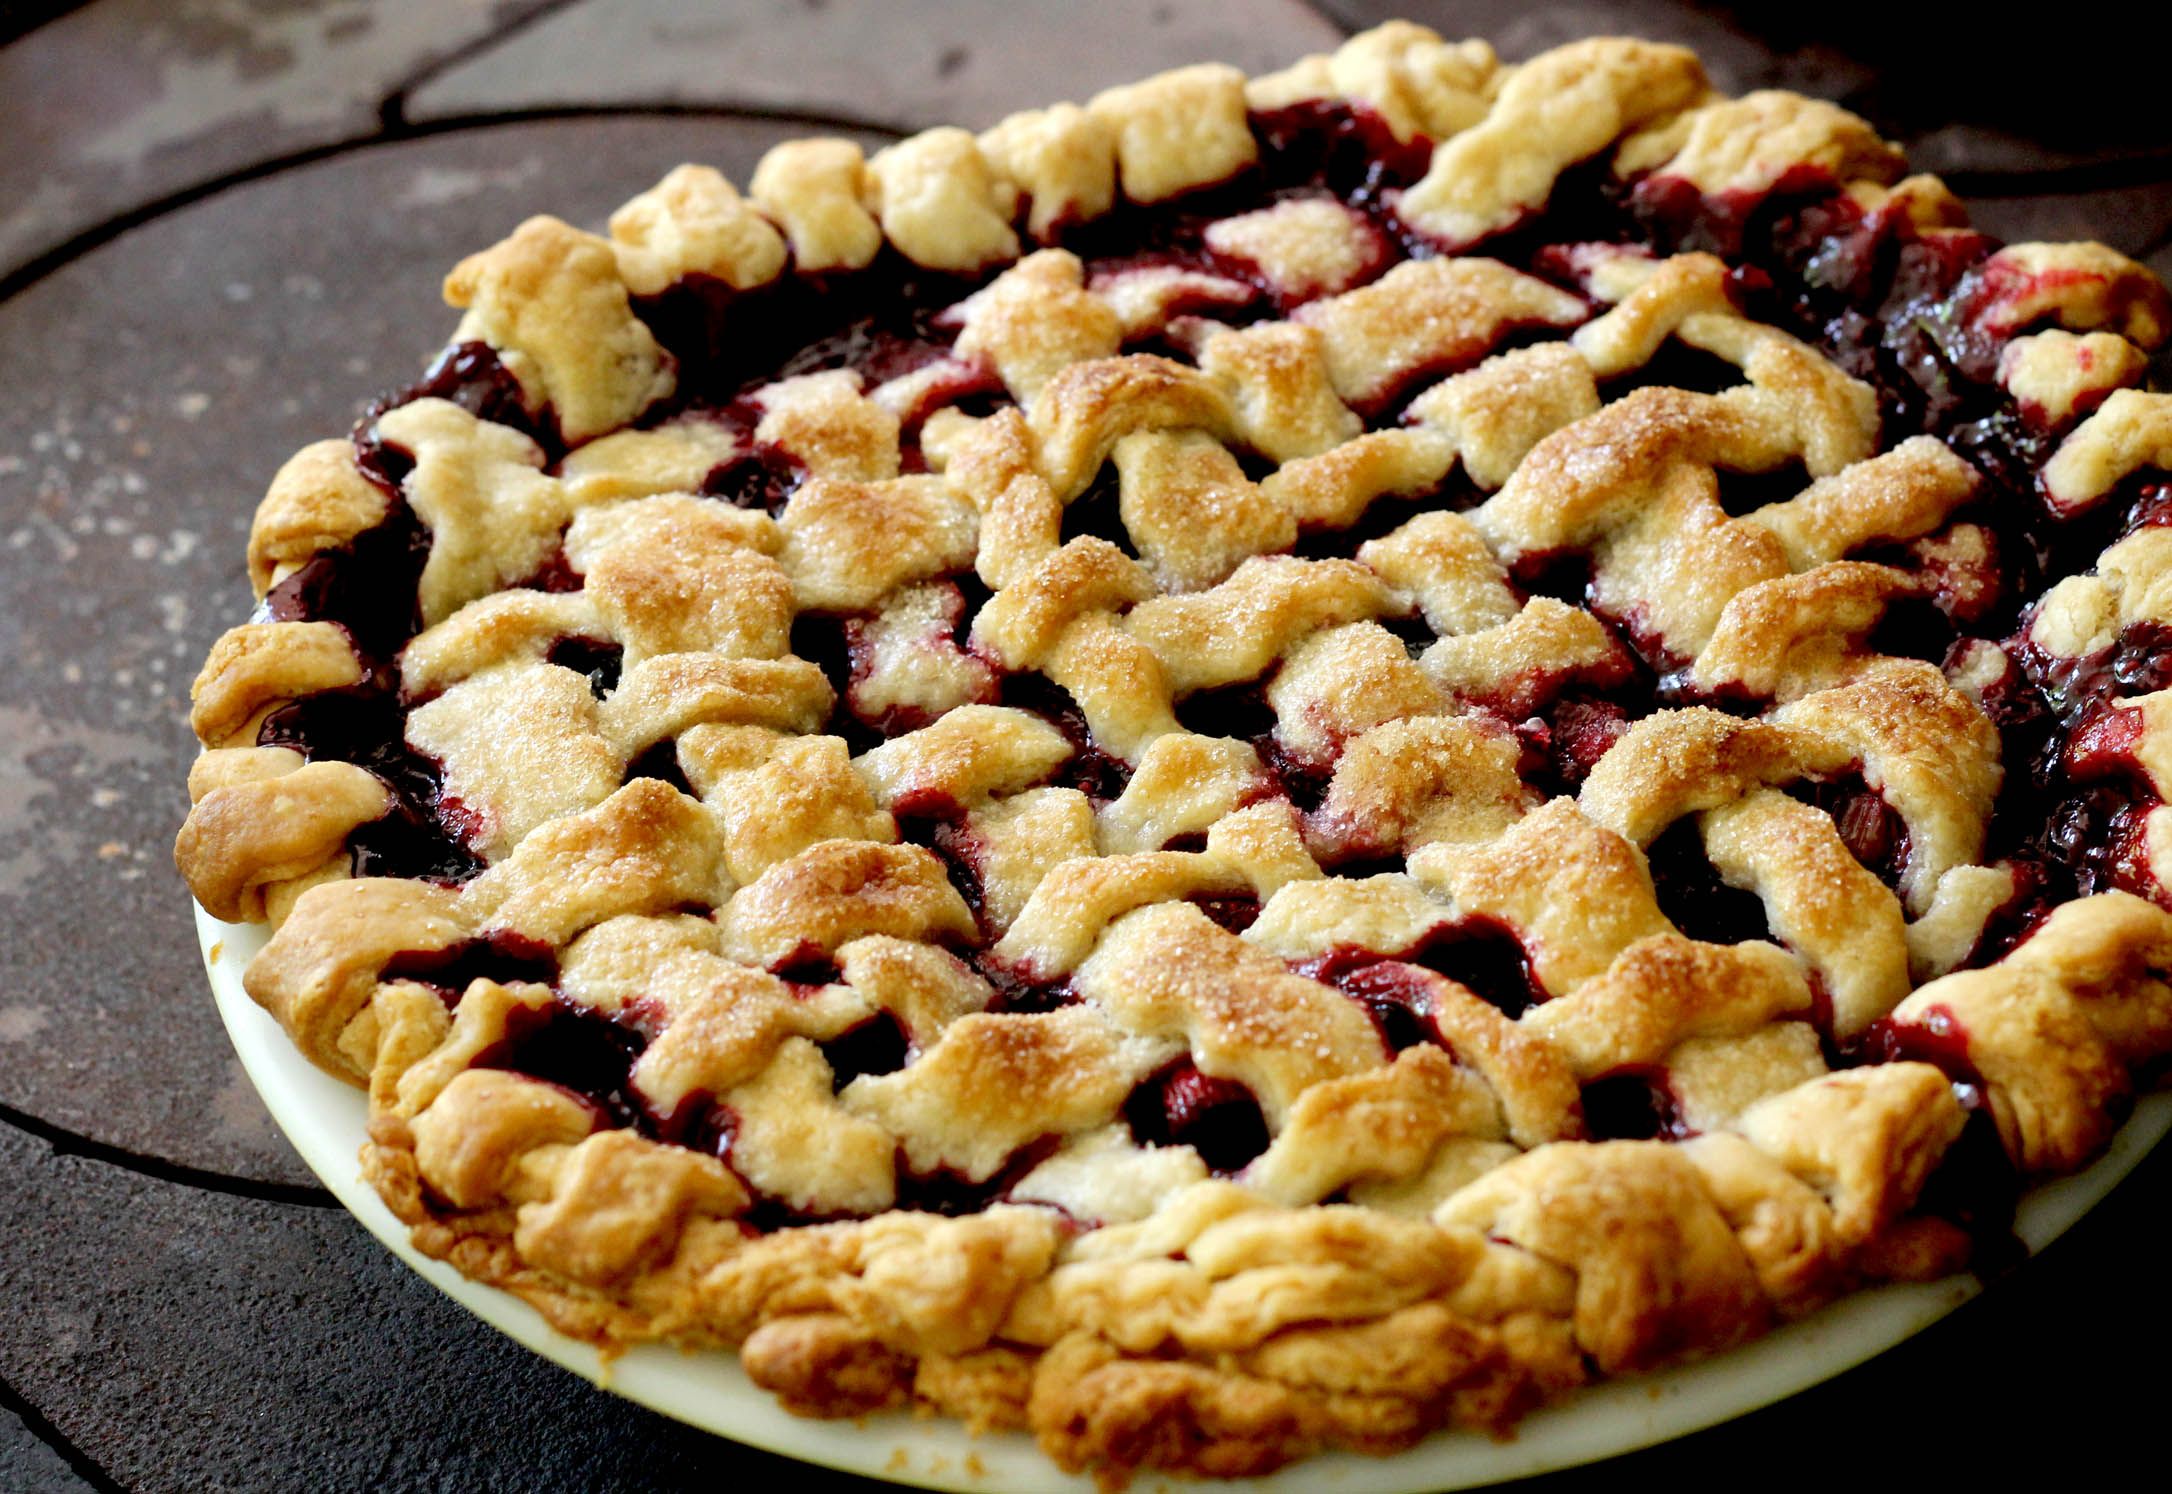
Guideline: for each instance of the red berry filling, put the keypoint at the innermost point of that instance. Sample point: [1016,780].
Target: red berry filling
[1180,1106]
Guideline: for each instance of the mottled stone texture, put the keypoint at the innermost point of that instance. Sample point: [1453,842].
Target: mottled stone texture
[163,1329]
[185,1339]
[122,102]
[29,1466]
[957,62]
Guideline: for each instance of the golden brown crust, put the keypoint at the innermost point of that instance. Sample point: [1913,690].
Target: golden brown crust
[990,1085]
[1865,1139]
[319,500]
[1428,314]
[1556,110]
[838,891]
[1664,990]
[646,848]
[1406,785]
[1575,893]
[262,664]
[241,839]
[1659,1273]
[1748,144]
[694,222]
[1177,130]
[2131,429]
[550,300]
[323,965]
[1417,83]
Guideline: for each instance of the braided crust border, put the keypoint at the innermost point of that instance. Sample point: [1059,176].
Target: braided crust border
[1226,1333]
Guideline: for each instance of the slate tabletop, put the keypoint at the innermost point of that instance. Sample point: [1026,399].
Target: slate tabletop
[222,225]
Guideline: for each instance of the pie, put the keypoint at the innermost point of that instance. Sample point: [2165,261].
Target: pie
[1259,766]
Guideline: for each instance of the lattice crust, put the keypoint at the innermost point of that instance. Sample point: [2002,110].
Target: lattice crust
[1337,760]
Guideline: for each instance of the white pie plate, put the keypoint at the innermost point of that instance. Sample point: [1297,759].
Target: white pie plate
[325,1120]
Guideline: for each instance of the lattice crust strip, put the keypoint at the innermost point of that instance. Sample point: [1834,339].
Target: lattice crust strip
[1274,843]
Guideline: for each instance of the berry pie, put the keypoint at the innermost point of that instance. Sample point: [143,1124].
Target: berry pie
[1262,765]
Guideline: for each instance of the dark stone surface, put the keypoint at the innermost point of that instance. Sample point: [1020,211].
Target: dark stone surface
[186,1340]
[965,62]
[30,1466]
[2050,88]
[122,102]
[177,367]
[2132,219]
[19,16]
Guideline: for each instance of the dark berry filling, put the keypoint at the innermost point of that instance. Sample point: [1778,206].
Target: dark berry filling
[1572,736]
[1235,912]
[581,1050]
[876,1046]
[367,586]
[1345,148]
[1239,711]
[950,1192]
[2016,918]
[1484,956]
[426,835]
[1870,828]
[1398,997]
[660,762]
[825,642]
[1018,990]
[1633,1104]
[470,375]
[764,479]
[1089,769]
[1975,1184]
[1180,1106]
[1694,897]
[451,970]
[597,658]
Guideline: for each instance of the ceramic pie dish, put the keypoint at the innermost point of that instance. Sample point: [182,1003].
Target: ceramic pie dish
[1241,772]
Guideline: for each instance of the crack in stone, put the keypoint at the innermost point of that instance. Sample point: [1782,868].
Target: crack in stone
[1327,13]
[79,1462]
[68,1143]
[392,109]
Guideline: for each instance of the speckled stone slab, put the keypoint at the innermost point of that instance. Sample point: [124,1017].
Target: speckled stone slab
[966,62]
[186,1340]
[29,1466]
[121,102]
